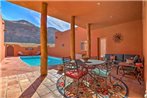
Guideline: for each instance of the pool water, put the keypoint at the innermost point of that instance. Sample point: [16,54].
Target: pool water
[35,60]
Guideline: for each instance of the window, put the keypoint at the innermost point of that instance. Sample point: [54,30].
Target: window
[83,46]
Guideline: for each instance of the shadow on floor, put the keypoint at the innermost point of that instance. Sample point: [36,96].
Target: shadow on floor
[28,93]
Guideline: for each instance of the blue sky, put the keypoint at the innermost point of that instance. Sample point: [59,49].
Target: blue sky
[14,12]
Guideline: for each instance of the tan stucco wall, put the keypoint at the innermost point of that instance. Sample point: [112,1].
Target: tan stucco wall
[19,48]
[132,38]
[2,47]
[63,38]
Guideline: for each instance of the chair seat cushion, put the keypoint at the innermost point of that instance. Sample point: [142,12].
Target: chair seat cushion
[100,72]
[139,64]
[75,74]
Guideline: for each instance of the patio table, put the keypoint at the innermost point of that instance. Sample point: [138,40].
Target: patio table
[94,62]
[91,62]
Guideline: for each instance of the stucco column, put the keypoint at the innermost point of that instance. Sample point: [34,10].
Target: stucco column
[43,39]
[145,44]
[72,38]
[89,40]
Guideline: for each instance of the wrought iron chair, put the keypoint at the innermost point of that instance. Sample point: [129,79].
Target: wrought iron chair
[75,71]
[102,74]
[129,67]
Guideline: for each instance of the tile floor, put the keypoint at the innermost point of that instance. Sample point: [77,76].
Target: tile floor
[30,85]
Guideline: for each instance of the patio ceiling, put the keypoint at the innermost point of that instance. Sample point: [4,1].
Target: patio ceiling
[98,13]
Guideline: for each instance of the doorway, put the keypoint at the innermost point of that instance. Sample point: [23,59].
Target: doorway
[10,51]
[101,47]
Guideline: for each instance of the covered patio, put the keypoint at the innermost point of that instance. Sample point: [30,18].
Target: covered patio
[86,14]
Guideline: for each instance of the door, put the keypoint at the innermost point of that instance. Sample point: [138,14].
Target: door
[101,47]
[10,50]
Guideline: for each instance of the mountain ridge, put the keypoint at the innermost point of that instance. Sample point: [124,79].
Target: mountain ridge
[23,31]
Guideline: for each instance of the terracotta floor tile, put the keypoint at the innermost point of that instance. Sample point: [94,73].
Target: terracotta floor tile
[50,95]
[35,96]
[54,79]
[46,80]
[53,88]
[22,77]
[16,86]
[13,82]
[24,87]
[24,80]
[42,87]
[13,93]
[48,85]
[56,92]
[43,92]
[3,85]
[3,93]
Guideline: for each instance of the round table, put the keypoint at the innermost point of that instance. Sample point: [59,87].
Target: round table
[94,62]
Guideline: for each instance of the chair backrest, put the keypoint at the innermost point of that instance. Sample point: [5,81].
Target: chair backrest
[68,65]
[79,62]
[80,65]
[66,59]
[108,65]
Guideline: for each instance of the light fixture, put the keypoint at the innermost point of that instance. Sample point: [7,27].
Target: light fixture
[110,16]
[98,3]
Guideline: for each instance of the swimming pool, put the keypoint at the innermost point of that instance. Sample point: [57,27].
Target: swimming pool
[35,60]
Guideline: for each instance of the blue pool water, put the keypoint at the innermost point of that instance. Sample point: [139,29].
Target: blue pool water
[35,60]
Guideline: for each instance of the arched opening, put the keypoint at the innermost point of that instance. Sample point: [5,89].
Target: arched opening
[10,51]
